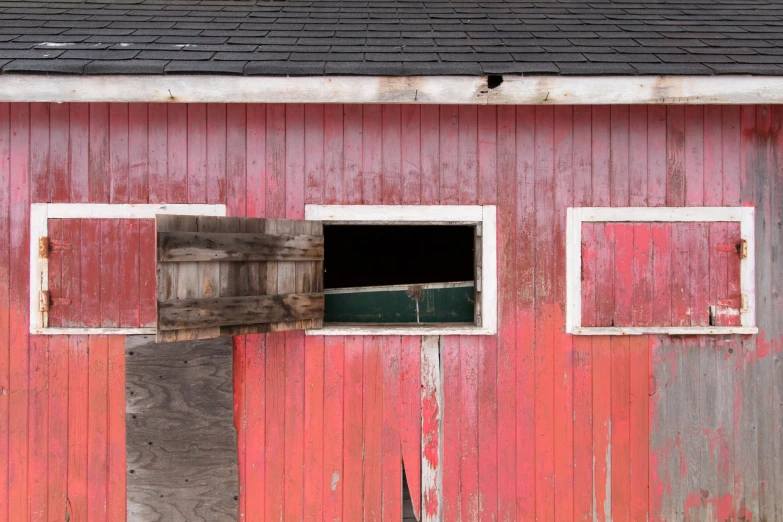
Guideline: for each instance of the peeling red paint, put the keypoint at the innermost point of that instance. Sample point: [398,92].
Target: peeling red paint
[430,415]
[702,499]
[431,503]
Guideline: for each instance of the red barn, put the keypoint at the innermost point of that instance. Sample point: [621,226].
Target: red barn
[485,260]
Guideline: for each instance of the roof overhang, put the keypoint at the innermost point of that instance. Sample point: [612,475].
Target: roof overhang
[513,90]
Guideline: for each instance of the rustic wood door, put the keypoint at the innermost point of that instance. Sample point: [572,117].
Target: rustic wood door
[228,276]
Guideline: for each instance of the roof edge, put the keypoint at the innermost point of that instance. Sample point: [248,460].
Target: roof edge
[476,90]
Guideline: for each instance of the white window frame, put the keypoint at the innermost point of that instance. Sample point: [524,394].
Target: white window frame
[745,216]
[483,216]
[41,213]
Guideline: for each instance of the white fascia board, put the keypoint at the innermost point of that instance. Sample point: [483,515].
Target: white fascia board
[514,90]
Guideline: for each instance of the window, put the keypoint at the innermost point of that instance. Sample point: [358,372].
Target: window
[65,307]
[408,269]
[676,271]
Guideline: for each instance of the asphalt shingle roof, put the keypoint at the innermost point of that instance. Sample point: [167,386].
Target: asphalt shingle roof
[402,37]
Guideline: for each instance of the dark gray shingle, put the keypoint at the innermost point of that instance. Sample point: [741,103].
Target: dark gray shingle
[391,37]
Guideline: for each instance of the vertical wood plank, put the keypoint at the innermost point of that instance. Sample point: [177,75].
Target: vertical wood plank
[78,426]
[116,496]
[216,152]
[5,305]
[353,140]
[373,426]
[57,446]
[157,160]
[40,173]
[524,297]
[411,147]
[662,266]
[506,343]
[452,418]
[250,392]
[139,153]
[353,430]
[38,429]
[71,272]
[129,273]
[449,154]
[147,298]
[544,312]
[196,153]
[109,270]
[372,154]
[582,358]
[430,154]
[177,160]
[333,478]
[99,167]
[467,146]
[18,361]
[237,153]
[314,419]
[119,187]
[98,427]
[563,429]
[468,426]
[55,231]
[656,155]
[59,151]
[391,169]
[391,457]
[330,189]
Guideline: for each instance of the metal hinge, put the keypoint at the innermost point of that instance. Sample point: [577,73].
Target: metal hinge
[744,303]
[743,251]
[46,245]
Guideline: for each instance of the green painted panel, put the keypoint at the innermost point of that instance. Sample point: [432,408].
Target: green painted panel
[394,305]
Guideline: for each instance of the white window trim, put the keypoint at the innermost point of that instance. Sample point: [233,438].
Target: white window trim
[41,213]
[483,215]
[576,216]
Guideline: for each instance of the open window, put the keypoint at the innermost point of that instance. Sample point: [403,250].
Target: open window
[408,269]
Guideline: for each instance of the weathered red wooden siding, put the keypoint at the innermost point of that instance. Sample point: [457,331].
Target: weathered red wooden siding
[537,424]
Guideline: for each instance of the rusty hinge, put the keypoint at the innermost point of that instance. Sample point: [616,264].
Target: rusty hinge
[43,301]
[744,303]
[46,245]
[743,250]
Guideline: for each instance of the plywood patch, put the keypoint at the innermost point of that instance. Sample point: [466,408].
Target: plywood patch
[181,441]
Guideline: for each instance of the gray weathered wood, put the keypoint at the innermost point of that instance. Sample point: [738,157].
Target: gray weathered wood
[223,246]
[180,436]
[235,271]
[184,314]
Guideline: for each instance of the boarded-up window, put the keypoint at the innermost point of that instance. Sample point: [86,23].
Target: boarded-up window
[661,274]
[101,273]
[660,270]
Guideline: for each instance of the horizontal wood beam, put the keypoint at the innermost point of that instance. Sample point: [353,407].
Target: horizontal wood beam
[515,89]
[182,314]
[221,246]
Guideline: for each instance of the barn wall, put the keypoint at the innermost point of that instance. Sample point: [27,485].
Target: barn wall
[537,424]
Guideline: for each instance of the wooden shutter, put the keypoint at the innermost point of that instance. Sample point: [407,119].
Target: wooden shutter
[229,276]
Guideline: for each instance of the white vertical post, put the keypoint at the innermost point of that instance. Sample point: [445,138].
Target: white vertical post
[748,268]
[432,435]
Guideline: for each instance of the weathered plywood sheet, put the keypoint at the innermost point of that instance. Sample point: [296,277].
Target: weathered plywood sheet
[181,441]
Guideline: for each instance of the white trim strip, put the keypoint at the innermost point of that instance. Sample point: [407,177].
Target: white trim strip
[424,329]
[124,211]
[540,90]
[667,330]
[396,288]
[40,213]
[576,216]
[661,214]
[395,213]
[93,331]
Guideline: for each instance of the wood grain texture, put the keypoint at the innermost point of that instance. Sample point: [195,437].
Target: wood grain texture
[182,453]
[712,414]
[226,246]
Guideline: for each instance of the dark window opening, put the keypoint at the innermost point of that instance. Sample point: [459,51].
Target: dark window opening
[399,273]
